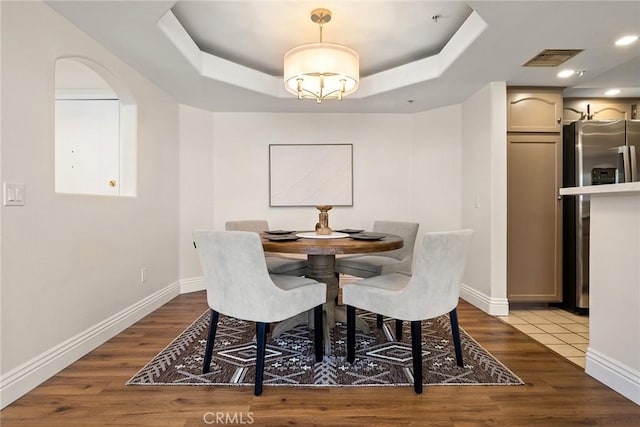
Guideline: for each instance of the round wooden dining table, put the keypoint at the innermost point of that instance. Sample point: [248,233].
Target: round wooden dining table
[321,256]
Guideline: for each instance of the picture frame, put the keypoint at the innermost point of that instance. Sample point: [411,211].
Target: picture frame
[310,174]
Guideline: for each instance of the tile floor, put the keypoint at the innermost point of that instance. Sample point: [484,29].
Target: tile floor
[561,331]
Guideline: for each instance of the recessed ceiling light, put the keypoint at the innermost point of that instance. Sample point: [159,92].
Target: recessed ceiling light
[612,92]
[626,40]
[565,73]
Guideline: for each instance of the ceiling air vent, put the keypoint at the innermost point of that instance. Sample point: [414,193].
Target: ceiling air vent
[551,57]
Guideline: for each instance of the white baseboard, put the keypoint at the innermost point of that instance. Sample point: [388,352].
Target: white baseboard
[614,375]
[492,306]
[193,284]
[22,379]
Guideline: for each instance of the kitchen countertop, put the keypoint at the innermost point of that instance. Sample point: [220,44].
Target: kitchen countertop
[627,187]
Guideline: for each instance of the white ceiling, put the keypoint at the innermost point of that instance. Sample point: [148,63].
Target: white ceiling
[227,55]
[260,39]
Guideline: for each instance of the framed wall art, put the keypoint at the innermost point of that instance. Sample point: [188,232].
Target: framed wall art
[310,174]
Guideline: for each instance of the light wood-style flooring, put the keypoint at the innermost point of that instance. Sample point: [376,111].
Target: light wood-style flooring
[92,391]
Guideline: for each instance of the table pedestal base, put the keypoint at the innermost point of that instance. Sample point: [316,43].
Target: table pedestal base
[322,268]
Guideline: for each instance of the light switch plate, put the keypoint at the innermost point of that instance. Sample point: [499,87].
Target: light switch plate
[13,194]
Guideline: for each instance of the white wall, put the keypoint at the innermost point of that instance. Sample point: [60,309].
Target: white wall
[196,186]
[71,263]
[381,166]
[484,196]
[399,165]
[436,179]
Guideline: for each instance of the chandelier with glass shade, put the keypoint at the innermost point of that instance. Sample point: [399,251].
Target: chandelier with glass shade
[321,70]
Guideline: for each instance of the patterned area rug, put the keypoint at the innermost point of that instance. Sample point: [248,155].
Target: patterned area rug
[380,360]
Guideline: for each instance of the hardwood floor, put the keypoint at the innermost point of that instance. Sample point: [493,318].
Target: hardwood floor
[92,391]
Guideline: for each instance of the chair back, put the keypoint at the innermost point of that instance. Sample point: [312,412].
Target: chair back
[235,273]
[407,230]
[255,225]
[437,273]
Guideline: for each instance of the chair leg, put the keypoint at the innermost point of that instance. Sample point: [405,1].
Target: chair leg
[455,331]
[317,332]
[379,321]
[398,330]
[261,344]
[416,353]
[213,326]
[351,334]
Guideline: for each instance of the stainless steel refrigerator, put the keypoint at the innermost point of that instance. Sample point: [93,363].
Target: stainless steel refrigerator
[594,153]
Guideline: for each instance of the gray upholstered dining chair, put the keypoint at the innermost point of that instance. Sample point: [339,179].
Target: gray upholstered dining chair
[395,261]
[239,285]
[276,263]
[432,290]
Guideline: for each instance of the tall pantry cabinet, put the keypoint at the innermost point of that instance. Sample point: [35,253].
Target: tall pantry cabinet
[534,210]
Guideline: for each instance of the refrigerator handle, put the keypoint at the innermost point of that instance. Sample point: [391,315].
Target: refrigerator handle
[626,165]
[635,173]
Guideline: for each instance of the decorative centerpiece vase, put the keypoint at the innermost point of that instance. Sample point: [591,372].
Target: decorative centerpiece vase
[322,227]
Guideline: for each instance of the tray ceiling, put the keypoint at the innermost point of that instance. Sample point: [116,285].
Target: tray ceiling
[227,55]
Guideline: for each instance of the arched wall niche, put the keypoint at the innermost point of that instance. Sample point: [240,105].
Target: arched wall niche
[96,130]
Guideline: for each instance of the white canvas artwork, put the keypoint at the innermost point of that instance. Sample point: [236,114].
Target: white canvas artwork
[311,175]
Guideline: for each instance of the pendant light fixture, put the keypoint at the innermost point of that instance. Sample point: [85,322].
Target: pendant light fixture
[321,70]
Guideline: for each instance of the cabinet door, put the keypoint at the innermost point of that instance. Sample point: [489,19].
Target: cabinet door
[598,109]
[534,110]
[534,218]
[573,110]
[610,111]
